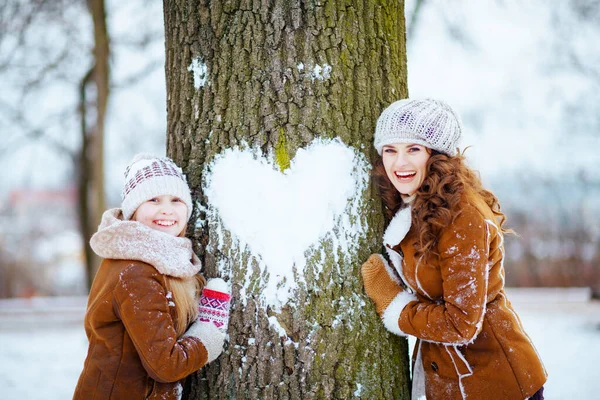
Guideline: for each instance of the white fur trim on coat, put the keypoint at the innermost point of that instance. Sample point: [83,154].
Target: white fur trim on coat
[391,314]
[210,336]
[418,381]
[390,271]
[398,227]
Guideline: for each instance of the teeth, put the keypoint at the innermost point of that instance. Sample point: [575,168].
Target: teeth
[404,174]
[165,223]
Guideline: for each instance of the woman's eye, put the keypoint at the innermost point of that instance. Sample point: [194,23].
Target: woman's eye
[388,150]
[414,149]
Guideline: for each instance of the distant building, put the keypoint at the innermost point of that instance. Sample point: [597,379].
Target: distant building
[41,251]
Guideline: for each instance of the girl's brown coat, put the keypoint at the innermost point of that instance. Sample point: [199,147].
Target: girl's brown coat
[134,352]
[133,348]
[471,340]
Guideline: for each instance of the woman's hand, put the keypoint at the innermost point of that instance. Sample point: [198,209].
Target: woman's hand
[380,286]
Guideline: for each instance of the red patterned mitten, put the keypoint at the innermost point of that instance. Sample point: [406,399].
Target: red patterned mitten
[214,304]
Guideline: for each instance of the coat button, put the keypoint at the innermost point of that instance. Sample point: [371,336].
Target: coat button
[434,366]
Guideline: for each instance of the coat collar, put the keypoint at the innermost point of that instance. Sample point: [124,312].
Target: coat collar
[131,240]
[398,227]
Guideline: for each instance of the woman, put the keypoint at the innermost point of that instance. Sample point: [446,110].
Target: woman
[445,241]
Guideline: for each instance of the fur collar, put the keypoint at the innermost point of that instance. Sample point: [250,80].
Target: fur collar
[131,240]
[398,227]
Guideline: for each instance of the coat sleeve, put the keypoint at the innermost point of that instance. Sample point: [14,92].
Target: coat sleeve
[463,263]
[142,304]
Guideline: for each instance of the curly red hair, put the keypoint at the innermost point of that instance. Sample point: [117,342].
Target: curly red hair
[438,199]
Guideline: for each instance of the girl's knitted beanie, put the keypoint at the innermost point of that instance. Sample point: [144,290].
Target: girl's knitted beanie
[148,176]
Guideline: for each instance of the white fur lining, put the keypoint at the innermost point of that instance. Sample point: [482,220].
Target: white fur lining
[396,260]
[398,227]
[418,378]
[390,271]
[210,336]
[460,376]
[421,288]
[391,314]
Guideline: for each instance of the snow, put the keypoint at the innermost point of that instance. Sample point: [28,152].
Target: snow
[283,215]
[276,326]
[200,71]
[41,363]
[52,344]
[359,390]
[321,72]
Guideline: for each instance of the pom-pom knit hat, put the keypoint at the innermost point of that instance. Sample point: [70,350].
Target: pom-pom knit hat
[428,122]
[148,176]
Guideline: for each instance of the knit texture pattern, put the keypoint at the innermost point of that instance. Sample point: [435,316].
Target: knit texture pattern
[214,304]
[379,285]
[211,337]
[147,177]
[428,122]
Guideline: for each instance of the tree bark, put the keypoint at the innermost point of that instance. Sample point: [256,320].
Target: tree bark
[101,78]
[90,160]
[275,75]
[86,227]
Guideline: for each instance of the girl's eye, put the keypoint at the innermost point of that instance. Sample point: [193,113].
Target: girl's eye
[389,150]
[153,200]
[176,200]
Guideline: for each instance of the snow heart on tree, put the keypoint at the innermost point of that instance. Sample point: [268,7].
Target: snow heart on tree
[280,216]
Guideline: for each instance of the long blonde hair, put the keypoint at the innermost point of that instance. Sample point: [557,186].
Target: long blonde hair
[186,294]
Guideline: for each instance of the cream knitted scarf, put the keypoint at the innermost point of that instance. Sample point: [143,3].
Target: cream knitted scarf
[131,240]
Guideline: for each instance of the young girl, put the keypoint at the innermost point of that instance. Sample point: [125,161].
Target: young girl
[445,241]
[145,294]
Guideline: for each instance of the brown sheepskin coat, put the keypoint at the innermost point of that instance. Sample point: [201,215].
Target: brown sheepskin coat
[133,349]
[471,344]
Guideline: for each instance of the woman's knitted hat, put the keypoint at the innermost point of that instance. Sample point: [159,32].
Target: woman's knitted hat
[148,176]
[428,122]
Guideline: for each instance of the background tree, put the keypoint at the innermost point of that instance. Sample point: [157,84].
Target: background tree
[55,62]
[276,75]
[45,64]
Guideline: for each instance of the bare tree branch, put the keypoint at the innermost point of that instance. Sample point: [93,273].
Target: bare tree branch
[30,133]
[583,69]
[139,75]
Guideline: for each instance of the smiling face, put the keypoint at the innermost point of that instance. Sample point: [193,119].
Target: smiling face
[405,165]
[165,213]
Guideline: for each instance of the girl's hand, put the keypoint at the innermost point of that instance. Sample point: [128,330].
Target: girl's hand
[211,337]
[215,303]
[380,286]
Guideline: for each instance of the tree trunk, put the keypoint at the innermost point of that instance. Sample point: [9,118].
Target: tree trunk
[90,160]
[86,227]
[275,75]
[101,78]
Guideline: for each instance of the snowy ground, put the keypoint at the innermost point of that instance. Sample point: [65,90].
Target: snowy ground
[43,345]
